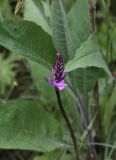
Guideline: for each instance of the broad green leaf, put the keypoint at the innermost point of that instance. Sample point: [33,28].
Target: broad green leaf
[60,30]
[87,55]
[37,15]
[79,23]
[24,125]
[28,39]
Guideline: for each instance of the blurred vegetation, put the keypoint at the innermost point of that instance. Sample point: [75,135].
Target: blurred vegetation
[18,80]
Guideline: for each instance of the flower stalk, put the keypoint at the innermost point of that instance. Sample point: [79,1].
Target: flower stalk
[67,123]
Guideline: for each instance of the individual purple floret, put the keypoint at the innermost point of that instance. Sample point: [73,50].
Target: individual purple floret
[58,73]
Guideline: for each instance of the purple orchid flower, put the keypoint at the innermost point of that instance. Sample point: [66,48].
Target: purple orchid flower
[58,73]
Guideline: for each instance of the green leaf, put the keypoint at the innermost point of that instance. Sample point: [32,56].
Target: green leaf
[37,15]
[87,55]
[24,125]
[28,39]
[60,30]
[79,23]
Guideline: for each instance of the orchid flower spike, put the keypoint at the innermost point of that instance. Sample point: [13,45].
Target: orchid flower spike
[58,73]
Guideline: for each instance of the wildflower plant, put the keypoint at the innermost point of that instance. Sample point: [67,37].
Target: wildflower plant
[36,124]
[59,84]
